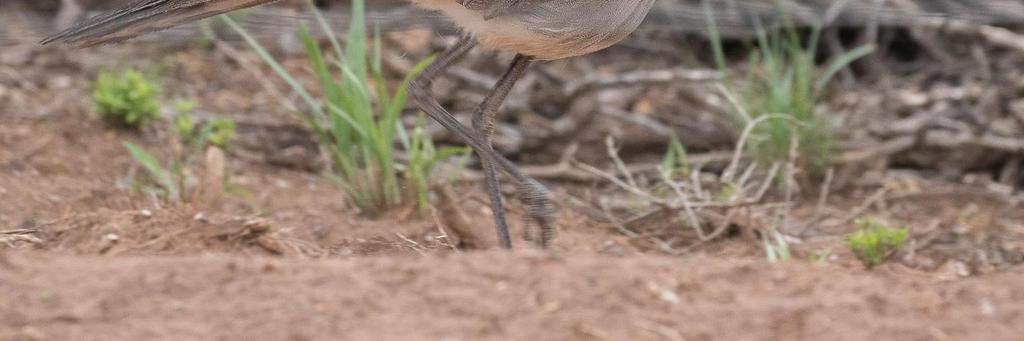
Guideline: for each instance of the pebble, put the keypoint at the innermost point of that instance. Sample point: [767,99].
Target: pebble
[987,308]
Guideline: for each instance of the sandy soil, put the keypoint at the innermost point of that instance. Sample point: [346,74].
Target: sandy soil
[491,296]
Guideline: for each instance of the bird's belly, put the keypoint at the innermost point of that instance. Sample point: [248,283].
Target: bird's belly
[532,44]
[513,34]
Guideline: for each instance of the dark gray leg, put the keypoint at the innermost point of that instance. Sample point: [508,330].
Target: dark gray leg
[535,196]
[483,122]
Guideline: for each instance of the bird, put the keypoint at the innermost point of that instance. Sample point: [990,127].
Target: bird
[534,30]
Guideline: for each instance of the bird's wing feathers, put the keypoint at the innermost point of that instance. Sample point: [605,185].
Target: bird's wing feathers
[145,16]
[497,8]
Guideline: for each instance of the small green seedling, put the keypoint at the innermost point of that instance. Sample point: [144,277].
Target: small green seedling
[127,99]
[197,135]
[675,162]
[820,256]
[222,131]
[168,179]
[776,247]
[165,180]
[874,242]
[423,155]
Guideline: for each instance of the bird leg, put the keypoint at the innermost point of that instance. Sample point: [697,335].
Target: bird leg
[534,196]
[483,122]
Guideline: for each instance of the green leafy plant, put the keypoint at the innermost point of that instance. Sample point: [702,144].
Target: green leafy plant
[820,256]
[190,140]
[217,132]
[156,172]
[784,78]
[874,242]
[128,98]
[357,117]
[676,161]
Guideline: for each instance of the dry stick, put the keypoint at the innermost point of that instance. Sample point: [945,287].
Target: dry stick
[616,222]
[675,204]
[697,185]
[615,180]
[719,230]
[751,124]
[609,143]
[412,244]
[686,204]
[643,121]
[995,35]
[884,149]
[12,237]
[633,188]
[666,332]
[730,171]
[871,33]
[723,222]
[741,185]
[733,101]
[767,183]
[932,138]
[441,228]
[591,83]
[790,180]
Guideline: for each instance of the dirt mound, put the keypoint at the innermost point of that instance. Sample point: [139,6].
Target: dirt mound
[490,296]
[169,232]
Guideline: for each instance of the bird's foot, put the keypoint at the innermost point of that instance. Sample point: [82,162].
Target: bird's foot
[540,212]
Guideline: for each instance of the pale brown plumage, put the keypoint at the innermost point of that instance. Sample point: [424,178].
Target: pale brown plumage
[545,29]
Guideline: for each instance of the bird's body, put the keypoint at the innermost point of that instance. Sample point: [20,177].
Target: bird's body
[546,29]
[542,29]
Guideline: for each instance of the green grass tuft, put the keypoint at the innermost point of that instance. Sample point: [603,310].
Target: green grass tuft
[784,78]
[874,242]
[357,117]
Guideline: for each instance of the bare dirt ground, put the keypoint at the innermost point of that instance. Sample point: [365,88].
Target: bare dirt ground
[83,257]
[492,296]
